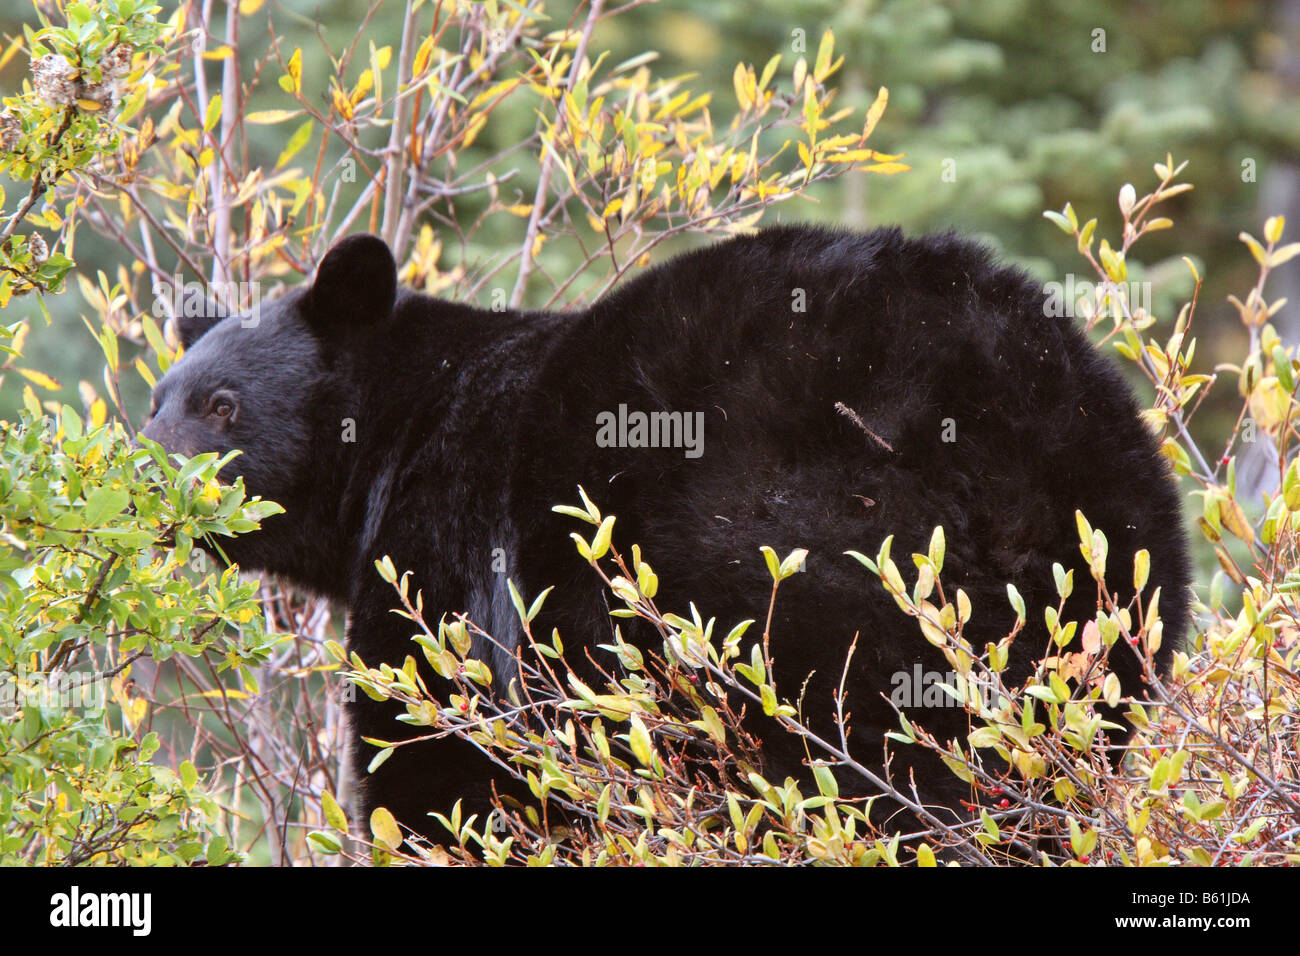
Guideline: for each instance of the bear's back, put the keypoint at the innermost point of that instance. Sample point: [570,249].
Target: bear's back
[851,386]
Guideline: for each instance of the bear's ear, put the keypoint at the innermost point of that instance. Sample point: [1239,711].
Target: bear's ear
[355,284]
[196,315]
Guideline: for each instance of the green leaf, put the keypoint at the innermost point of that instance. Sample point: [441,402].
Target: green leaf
[517,600]
[793,562]
[938,549]
[1017,602]
[574,513]
[536,607]
[639,739]
[385,828]
[604,534]
[334,814]
[213,114]
[104,504]
[1060,220]
[296,142]
[325,842]
[826,782]
[1141,568]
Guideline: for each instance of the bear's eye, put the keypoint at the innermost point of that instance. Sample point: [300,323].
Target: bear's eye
[222,404]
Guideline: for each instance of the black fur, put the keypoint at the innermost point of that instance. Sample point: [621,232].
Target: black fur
[471,424]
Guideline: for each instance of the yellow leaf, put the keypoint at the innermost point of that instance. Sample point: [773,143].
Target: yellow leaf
[744,82]
[9,53]
[1285,254]
[98,412]
[90,106]
[422,56]
[294,70]
[220,53]
[232,693]
[39,378]
[334,814]
[1256,249]
[145,372]
[887,168]
[213,114]
[134,711]
[853,156]
[1234,519]
[248,7]
[475,127]
[269,117]
[822,65]
[385,828]
[364,84]
[875,111]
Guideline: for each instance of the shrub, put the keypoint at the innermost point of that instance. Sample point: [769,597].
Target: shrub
[654,767]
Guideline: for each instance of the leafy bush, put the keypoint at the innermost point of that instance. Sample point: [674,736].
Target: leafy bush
[238,184]
[93,577]
[654,767]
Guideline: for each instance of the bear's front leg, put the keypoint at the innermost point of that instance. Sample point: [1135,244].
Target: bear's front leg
[419,777]
[433,768]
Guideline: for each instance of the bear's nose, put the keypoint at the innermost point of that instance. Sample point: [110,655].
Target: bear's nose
[157,430]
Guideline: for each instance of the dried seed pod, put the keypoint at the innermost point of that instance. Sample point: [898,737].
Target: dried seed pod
[116,62]
[10,131]
[55,80]
[36,245]
[105,93]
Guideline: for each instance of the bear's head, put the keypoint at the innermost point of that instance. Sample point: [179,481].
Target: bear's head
[275,383]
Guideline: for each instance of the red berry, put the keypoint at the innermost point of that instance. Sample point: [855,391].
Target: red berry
[1085,858]
[1004,803]
[997,791]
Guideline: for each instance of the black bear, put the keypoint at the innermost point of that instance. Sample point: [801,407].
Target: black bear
[824,389]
